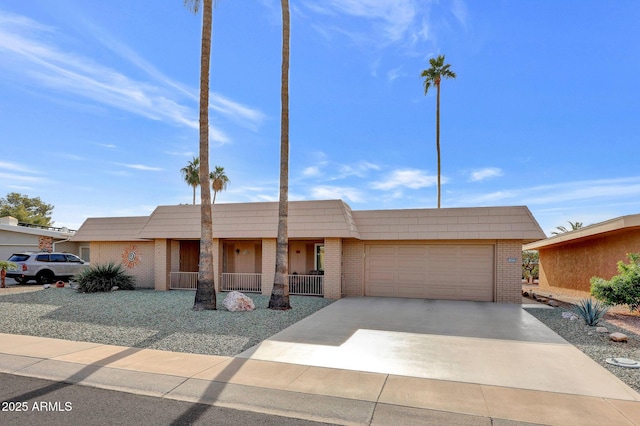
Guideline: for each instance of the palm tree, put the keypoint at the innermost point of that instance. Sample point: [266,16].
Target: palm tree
[219,181]
[562,229]
[205,291]
[280,293]
[434,75]
[191,174]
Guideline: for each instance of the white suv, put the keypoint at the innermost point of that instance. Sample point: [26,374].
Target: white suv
[45,268]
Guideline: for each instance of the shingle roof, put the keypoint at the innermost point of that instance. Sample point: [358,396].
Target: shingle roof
[473,223]
[596,230]
[111,229]
[320,219]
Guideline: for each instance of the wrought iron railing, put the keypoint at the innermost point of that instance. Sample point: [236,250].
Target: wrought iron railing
[183,280]
[306,285]
[249,283]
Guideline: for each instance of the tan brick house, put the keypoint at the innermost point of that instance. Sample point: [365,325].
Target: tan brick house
[569,260]
[448,253]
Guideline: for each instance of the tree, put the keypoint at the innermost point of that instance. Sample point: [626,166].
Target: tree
[4,265]
[26,209]
[433,76]
[280,293]
[219,181]
[530,264]
[562,229]
[191,175]
[205,291]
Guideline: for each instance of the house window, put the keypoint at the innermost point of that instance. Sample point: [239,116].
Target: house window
[318,263]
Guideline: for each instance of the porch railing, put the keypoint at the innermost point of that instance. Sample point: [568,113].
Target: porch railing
[249,283]
[306,285]
[183,280]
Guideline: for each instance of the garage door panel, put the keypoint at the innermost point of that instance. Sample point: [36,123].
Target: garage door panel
[410,292]
[419,251]
[457,272]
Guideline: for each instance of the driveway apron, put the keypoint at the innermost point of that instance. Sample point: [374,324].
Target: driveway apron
[472,342]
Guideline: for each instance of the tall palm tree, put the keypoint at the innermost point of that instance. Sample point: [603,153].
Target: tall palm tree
[280,293]
[219,181]
[205,291]
[433,76]
[562,229]
[191,174]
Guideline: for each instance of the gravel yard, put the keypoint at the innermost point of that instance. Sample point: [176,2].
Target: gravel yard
[598,346]
[165,321]
[146,319]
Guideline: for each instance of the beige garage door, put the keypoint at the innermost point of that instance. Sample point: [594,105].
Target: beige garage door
[453,272]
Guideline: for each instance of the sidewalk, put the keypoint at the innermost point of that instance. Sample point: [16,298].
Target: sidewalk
[306,392]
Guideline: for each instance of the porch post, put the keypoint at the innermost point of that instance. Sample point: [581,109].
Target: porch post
[268,264]
[332,268]
[217,263]
[162,262]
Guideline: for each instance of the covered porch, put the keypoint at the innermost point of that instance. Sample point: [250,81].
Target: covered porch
[242,265]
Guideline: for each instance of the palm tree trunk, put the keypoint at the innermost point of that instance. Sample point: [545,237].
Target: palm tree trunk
[194,195]
[438,138]
[280,293]
[205,292]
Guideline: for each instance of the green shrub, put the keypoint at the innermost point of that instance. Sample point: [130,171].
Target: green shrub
[622,289]
[103,278]
[591,311]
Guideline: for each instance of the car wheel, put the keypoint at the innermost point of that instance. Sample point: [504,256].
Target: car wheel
[20,280]
[45,277]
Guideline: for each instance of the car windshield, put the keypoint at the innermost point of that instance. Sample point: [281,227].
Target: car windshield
[18,257]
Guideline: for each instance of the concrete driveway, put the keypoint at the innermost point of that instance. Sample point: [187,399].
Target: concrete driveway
[471,342]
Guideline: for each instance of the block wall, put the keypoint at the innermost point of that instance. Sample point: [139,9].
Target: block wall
[268,264]
[352,268]
[333,268]
[508,271]
[141,265]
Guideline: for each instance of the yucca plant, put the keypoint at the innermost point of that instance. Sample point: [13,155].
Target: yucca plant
[591,311]
[98,278]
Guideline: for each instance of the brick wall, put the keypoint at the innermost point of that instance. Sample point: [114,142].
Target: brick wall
[144,267]
[268,264]
[332,268]
[352,267]
[162,256]
[508,274]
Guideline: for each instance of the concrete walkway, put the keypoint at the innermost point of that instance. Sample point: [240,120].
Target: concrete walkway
[347,374]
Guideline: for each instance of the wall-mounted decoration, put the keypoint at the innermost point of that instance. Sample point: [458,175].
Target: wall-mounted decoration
[130,256]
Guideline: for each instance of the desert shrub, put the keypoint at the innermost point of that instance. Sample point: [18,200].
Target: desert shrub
[98,278]
[591,311]
[622,289]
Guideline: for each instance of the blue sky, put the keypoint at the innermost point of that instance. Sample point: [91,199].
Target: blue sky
[99,104]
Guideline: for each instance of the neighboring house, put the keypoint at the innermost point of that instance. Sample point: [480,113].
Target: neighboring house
[449,253]
[17,237]
[569,260]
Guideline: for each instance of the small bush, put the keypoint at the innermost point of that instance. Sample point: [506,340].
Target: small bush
[622,289]
[104,278]
[591,311]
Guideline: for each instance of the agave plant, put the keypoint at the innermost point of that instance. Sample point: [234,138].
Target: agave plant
[591,311]
[103,278]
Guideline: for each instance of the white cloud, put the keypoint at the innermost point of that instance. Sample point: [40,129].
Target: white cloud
[328,192]
[359,169]
[391,20]
[28,54]
[143,167]
[409,178]
[482,174]
[15,167]
[311,171]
